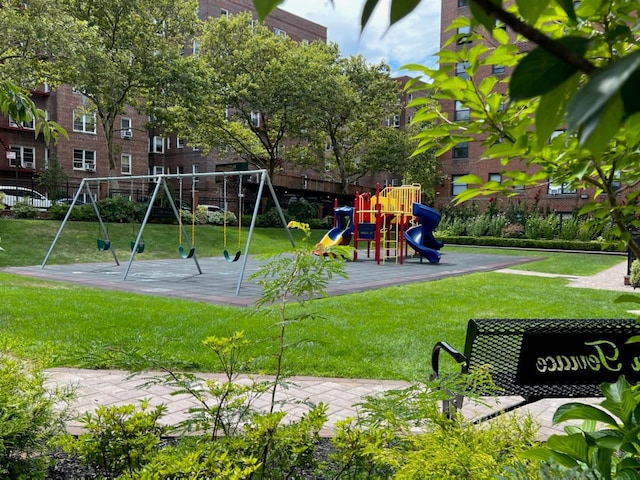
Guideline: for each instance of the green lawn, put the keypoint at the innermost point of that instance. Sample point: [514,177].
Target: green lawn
[385,333]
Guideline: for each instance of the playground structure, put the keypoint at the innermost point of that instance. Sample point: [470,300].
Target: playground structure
[391,220]
[186,247]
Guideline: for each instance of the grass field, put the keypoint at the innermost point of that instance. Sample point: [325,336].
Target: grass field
[386,334]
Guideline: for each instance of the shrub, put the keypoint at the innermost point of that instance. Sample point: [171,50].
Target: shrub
[116,209]
[479,226]
[539,226]
[81,213]
[119,439]
[272,219]
[302,211]
[569,229]
[30,417]
[383,443]
[218,218]
[202,215]
[634,278]
[24,210]
[513,230]
[497,224]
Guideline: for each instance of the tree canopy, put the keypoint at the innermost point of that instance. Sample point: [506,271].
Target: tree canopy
[129,45]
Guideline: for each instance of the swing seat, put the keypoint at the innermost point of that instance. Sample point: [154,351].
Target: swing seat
[140,248]
[228,258]
[184,254]
[103,244]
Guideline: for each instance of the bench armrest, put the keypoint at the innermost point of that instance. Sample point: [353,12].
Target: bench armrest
[435,357]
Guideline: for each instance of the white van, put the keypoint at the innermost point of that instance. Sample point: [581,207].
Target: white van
[13,195]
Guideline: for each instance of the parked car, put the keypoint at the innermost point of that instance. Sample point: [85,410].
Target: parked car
[211,208]
[69,201]
[13,195]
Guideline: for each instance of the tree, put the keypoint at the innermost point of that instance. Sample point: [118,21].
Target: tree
[392,150]
[37,40]
[347,113]
[252,90]
[131,43]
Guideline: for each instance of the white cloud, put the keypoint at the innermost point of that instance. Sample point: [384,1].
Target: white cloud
[412,40]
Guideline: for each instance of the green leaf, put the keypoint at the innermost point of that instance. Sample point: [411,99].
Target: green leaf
[367,11]
[531,10]
[581,411]
[400,9]
[265,7]
[551,109]
[568,7]
[482,17]
[546,455]
[575,446]
[540,71]
[601,88]
[470,179]
[596,133]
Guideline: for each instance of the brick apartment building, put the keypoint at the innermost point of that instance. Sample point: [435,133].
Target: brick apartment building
[465,158]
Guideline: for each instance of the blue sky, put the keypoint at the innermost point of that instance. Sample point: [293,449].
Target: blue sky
[413,40]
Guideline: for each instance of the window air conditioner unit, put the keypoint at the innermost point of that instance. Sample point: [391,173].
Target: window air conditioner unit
[28,164]
[255,178]
[126,133]
[90,168]
[555,190]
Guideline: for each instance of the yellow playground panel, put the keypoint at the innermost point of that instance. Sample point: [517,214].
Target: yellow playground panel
[392,200]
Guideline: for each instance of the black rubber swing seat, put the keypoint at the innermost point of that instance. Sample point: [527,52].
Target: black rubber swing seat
[103,244]
[228,257]
[186,254]
[140,248]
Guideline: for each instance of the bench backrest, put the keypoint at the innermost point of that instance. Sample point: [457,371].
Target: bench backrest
[537,358]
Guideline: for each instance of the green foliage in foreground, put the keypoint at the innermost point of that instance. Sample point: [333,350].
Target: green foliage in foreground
[30,415]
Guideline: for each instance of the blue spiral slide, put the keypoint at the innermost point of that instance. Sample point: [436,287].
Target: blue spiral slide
[420,237]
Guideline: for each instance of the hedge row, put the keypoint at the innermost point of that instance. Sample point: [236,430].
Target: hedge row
[533,243]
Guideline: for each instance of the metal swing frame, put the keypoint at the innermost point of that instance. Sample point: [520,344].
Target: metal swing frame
[161,183]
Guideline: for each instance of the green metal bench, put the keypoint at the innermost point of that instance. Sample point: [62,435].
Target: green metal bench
[545,358]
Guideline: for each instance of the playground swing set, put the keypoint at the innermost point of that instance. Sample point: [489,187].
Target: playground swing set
[186,248]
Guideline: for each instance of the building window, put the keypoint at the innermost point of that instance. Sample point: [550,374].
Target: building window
[396,120]
[195,48]
[560,188]
[456,185]
[255,119]
[464,35]
[179,142]
[495,177]
[461,150]
[84,122]
[226,114]
[461,70]
[463,3]
[22,157]
[498,69]
[279,33]
[224,13]
[157,146]
[125,164]
[27,124]
[84,159]
[462,112]
[125,128]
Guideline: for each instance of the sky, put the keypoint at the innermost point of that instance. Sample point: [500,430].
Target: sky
[412,40]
